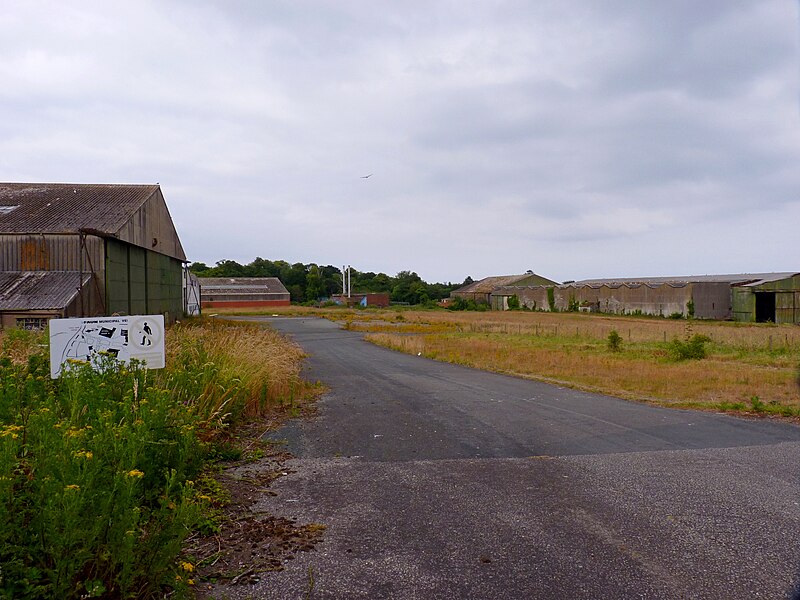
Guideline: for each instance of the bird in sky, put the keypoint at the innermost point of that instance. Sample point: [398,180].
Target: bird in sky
[366,176]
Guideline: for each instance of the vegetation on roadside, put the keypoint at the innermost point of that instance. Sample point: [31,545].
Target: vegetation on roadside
[574,349]
[102,471]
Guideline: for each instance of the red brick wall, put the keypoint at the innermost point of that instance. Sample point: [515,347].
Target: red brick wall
[244,304]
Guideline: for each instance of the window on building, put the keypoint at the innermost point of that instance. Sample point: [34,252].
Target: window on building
[32,323]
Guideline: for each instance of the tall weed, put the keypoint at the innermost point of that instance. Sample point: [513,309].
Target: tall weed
[97,468]
[93,482]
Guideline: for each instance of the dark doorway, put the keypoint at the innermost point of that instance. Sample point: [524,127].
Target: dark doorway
[765,307]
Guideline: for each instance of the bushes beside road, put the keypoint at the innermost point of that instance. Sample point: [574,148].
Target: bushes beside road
[97,468]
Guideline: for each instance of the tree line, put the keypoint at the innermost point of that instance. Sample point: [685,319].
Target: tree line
[312,282]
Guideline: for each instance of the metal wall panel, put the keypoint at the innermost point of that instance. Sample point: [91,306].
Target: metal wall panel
[744,304]
[138,280]
[117,300]
[50,252]
[784,307]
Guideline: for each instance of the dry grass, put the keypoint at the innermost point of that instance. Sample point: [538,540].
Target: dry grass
[236,367]
[640,373]
[745,360]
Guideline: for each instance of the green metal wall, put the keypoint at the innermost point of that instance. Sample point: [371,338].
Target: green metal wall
[744,304]
[787,300]
[139,281]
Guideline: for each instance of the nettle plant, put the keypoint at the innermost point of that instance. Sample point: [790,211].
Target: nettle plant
[96,492]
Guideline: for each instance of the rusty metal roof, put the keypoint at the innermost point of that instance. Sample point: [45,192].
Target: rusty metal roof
[67,208]
[38,290]
[242,285]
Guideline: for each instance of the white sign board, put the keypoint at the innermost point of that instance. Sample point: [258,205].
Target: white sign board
[138,336]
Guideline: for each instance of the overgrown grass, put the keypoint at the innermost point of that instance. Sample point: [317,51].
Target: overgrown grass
[644,363]
[101,472]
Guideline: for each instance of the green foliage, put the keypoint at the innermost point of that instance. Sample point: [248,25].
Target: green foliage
[690,309]
[614,341]
[459,303]
[551,298]
[773,407]
[573,305]
[692,349]
[676,315]
[513,302]
[95,468]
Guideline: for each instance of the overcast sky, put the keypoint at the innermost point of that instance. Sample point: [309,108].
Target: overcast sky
[577,139]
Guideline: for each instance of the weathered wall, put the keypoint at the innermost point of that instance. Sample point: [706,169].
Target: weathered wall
[243,303]
[787,300]
[532,298]
[661,300]
[712,300]
[50,252]
[151,228]
[142,282]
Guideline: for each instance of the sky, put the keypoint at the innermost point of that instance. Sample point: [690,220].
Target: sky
[577,139]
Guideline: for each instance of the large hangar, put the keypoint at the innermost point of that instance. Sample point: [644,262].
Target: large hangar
[87,250]
[749,297]
[482,291]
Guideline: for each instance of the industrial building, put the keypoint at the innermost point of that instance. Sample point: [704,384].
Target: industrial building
[242,292]
[749,297]
[481,291]
[774,297]
[87,250]
[376,299]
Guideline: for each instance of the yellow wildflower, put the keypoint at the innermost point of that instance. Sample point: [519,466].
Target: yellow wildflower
[187,566]
[135,473]
[83,454]
[72,486]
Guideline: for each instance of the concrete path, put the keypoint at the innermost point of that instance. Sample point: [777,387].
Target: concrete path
[437,481]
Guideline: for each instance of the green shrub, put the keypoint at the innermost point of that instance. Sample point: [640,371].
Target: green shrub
[692,349]
[95,492]
[513,302]
[614,341]
[467,304]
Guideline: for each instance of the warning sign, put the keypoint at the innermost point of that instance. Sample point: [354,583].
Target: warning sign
[88,340]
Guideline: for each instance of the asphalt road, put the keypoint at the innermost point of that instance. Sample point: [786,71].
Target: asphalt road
[437,481]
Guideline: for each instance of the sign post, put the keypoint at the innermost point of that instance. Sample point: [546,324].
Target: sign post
[139,337]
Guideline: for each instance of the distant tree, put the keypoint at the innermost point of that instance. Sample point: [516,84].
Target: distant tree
[315,288]
[198,267]
[227,268]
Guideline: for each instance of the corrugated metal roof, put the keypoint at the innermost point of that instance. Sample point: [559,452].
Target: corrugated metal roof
[67,208]
[259,285]
[38,290]
[488,284]
[741,278]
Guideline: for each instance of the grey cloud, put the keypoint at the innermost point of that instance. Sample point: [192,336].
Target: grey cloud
[503,135]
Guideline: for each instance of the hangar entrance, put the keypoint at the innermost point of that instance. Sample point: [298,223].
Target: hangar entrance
[765,307]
